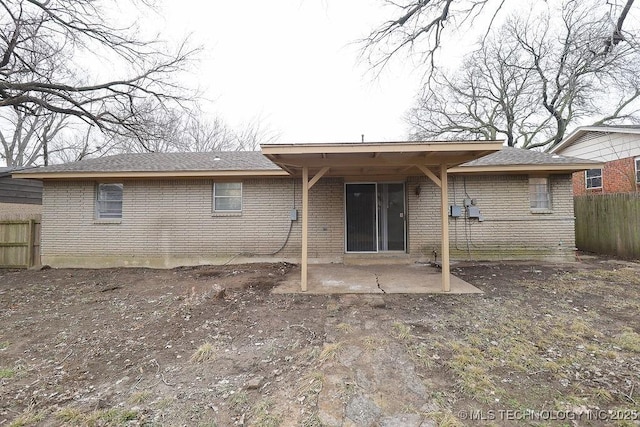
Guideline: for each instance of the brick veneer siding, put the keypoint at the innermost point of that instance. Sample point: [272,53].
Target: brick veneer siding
[509,229]
[170,222]
[618,176]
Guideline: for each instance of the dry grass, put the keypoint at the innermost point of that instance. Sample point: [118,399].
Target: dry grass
[402,331]
[629,340]
[262,415]
[139,397]
[330,351]
[203,353]
[344,327]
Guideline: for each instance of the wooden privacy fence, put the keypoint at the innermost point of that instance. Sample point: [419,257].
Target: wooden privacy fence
[608,224]
[19,243]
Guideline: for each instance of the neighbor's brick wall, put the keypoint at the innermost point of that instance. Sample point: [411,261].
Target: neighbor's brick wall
[164,220]
[618,176]
[509,229]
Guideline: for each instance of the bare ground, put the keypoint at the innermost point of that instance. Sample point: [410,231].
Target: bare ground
[546,344]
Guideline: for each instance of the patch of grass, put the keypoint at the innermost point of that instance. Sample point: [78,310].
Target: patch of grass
[109,417]
[139,397]
[4,345]
[7,373]
[421,354]
[311,385]
[29,418]
[70,415]
[629,340]
[472,370]
[445,419]
[330,351]
[602,395]
[165,403]
[313,420]
[403,332]
[371,343]
[239,400]
[262,415]
[344,327]
[333,308]
[203,353]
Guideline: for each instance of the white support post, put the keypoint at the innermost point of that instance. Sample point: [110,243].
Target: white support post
[305,223]
[444,202]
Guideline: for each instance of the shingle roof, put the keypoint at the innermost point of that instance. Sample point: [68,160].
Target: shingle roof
[168,162]
[511,156]
[6,171]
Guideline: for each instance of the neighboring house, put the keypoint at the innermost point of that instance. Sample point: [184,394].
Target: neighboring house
[19,197]
[324,202]
[618,147]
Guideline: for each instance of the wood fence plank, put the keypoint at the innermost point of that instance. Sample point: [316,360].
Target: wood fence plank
[608,224]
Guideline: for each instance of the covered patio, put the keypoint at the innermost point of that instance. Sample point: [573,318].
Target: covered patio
[374,279]
[386,161]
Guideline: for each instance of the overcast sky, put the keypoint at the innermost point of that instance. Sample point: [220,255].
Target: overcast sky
[294,65]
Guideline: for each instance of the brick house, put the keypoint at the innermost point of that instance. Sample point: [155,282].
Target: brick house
[618,147]
[301,202]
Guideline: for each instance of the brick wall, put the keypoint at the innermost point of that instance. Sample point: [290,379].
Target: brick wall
[509,229]
[167,223]
[170,222]
[618,176]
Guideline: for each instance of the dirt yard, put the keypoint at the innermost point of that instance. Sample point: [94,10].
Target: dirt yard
[552,344]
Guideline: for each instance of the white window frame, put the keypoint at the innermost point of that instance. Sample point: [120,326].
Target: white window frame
[587,179]
[533,182]
[102,214]
[637,162]
[215,197]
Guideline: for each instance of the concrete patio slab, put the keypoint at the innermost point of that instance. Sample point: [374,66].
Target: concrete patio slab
[373,279]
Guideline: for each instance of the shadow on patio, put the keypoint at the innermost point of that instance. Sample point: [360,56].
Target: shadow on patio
[373,279]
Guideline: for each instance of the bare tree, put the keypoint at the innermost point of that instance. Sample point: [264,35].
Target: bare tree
[419,27]
[25,138]
[533,78]
[45,47]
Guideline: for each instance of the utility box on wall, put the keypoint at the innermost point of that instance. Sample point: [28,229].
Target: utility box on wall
[455,211]
[474,212]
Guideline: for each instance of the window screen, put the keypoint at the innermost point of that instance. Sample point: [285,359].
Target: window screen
[539,193]
[227,197]
[109,201]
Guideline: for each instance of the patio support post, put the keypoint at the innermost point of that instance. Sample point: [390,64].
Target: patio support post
[444,202]
[306,186]
[305,222]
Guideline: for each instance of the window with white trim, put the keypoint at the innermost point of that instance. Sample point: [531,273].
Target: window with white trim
[637,170]
[227,197]
[539,194]
[109,201]
[593,178]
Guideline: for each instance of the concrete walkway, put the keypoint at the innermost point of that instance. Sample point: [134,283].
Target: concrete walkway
[373,279]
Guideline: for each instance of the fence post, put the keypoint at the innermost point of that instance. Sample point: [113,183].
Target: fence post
[31,242]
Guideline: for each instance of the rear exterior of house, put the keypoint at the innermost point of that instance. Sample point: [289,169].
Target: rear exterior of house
[508,205]
[618,147]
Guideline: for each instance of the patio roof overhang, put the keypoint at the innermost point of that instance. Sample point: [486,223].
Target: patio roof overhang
[379,160]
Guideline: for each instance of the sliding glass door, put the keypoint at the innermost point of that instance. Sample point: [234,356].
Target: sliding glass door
[375,217]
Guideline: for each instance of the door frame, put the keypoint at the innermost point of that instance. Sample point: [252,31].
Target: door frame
[344,209]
